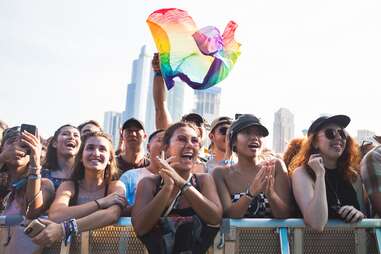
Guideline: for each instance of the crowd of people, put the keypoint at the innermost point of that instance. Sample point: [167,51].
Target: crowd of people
[177,193]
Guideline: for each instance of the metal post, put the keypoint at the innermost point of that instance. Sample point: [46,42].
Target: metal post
[378,238]
[284,244]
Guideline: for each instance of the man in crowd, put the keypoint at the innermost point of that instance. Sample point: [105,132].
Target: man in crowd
[133,135]
[220,153]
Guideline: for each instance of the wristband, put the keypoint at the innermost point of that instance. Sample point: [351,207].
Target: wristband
[185,187]
[33,176]
[157,74]
[248,194]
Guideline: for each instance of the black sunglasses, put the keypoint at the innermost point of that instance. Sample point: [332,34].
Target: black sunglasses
[223,130]
[331,133]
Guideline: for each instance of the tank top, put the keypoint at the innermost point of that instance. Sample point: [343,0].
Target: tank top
[339,193]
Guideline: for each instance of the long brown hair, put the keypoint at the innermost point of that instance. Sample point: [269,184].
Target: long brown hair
[348,163]
[111,172]
[292,150]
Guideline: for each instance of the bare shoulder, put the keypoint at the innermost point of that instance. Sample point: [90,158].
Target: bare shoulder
[204,177]
[221,171]
[300,174]
[47,184]
[280,166]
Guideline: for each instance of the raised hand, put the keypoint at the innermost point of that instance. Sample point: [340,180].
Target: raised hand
[156,62]
[270,177]
[35,147]
[317,165]
[167,169]
[259,183]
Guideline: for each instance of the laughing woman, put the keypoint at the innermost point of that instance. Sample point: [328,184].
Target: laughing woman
[61,153]
[325,174]
[92,199]
[190,198]
[254,187]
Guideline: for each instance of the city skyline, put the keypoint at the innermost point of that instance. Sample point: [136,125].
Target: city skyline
[283,129]
[308,57]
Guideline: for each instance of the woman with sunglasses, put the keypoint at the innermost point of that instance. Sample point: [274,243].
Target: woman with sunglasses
[93,198]
[325,174]
[60,154]
[254,187]
[189,198]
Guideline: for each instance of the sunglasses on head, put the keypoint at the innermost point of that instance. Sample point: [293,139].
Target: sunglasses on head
[331,133]
[222,130]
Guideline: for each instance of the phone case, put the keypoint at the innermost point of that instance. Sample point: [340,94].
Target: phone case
[34,228]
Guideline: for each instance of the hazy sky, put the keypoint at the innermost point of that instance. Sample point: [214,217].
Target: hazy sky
[69,61]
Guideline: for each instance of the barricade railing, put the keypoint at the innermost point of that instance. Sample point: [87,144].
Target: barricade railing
[245,236]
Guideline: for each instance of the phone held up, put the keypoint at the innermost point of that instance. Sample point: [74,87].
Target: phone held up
[32,129]
[34,228]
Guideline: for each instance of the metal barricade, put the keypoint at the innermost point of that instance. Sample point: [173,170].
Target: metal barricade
[245,236]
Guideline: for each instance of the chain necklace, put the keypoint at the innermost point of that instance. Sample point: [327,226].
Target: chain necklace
[335,190]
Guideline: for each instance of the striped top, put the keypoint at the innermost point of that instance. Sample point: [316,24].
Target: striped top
[258,208]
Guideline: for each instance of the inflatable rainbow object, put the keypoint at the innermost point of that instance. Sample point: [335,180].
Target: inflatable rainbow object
[199,57]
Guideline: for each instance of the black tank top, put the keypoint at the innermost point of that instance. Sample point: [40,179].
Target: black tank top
[339,193]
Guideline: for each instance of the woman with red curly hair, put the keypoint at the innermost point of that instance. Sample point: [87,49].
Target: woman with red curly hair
[325,176]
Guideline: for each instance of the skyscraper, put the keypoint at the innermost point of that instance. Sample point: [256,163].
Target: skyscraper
[283,129]
[111,125]
[139,103]
[180,100]
[207,103]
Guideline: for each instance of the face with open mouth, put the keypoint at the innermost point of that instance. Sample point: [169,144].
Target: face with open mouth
[331,141]
[96,153]
[249,141]
[18,150]
[184,146]
[68,141]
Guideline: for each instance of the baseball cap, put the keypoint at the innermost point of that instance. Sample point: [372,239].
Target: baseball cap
[194,118]
[318,124]
[133,122]
[244,121]
[220,120]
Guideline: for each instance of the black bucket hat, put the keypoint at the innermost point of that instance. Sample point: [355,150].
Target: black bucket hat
[318,124]
[244,121]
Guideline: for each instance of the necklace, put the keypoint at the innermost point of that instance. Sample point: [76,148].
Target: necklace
[338,205]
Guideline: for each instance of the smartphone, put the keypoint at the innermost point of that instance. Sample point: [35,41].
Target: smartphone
[34,228]
[32,129]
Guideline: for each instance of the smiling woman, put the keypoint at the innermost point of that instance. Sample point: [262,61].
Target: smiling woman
[325,174]
[61,153]
[93,197]
[177,193]
[252,187]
